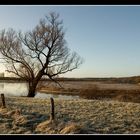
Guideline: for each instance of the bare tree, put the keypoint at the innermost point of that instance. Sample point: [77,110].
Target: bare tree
[39,52]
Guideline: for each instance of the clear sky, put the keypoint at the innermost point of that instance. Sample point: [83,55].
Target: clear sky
[107,37]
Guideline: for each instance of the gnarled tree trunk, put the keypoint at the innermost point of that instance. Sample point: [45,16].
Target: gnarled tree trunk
[31,91]
[32,88]
[33,84]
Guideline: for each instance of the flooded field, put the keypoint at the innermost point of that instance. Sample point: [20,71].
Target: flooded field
[20,89]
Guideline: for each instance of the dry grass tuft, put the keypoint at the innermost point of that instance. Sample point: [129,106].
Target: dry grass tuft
[53,127]
[47,127]
[72,128]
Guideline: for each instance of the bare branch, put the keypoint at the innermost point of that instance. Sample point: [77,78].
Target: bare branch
[42,51]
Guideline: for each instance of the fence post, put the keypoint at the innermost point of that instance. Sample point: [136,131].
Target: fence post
[3,100]
[52,109]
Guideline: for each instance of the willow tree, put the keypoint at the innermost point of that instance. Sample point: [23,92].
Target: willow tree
[41,51]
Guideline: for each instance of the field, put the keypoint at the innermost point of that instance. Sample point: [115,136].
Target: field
[31,116]
[95,90]
[103,108]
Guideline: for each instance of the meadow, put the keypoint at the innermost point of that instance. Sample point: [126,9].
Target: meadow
[103,108]
[102,90]
[32,116]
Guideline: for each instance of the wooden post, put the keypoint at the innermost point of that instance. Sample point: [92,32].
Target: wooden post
[52,109]
[3,100]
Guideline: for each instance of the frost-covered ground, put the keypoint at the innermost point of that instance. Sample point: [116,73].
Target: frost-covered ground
[31,116]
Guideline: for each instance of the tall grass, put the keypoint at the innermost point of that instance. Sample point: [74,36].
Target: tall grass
[118,95]
[95,92]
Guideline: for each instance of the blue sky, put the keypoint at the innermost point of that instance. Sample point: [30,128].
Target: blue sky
[107,37]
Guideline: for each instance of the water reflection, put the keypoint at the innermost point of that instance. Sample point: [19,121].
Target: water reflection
[43,95]
[20,89]
[13,89]
[1,86]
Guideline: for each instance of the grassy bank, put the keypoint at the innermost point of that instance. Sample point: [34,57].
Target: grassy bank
[31,116]
[97,93]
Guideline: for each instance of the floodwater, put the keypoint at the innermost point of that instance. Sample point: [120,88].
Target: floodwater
[20,89]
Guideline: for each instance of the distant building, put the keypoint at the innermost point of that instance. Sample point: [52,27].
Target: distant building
[2,74]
